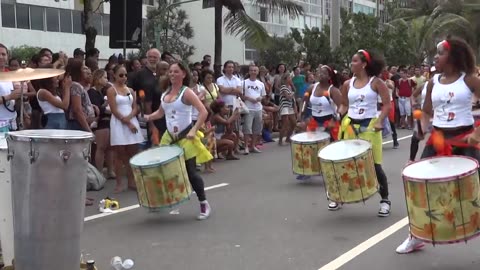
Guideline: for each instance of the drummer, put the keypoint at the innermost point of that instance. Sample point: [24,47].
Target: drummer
[324,98]
[448,100]
[176,105]
[360,95]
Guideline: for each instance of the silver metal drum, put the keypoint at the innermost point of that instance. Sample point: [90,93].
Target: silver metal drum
[6,216]
[49,178]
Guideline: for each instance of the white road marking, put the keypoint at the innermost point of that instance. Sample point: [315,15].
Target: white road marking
[399,139]
[351,254]
[372,241]
[131,207]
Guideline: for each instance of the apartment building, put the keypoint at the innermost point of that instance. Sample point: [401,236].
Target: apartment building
[54,24]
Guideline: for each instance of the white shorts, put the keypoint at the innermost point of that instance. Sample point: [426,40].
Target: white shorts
[287,111]
[404,106]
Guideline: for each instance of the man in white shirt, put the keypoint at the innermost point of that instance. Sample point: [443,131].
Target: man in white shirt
[230,86]
[253,93]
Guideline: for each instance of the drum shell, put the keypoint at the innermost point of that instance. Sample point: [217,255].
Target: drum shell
[49,180]
[351,180]
[162,185]
[6,215]
[444,211]
[305,159]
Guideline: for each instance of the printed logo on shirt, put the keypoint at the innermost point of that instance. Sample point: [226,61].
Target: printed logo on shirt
[451,116]
[253,87]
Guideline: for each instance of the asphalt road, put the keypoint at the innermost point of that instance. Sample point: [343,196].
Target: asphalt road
[265,219]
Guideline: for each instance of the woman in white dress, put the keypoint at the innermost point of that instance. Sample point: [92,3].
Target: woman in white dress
[124,127]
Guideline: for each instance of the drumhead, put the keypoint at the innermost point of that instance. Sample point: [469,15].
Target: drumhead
[440,168]
[49,134]
[342,150]
[310,136]
[156,156]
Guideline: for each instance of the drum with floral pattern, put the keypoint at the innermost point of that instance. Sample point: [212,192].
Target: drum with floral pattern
[348,171]
[442,195]
[305,147]
[161,177]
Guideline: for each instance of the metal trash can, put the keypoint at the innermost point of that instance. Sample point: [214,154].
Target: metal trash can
[49,176]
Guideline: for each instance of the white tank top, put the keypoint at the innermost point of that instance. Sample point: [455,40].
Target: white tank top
[452,103]
[47,107]
[362,103]
[321,106]
[177,114]
[424,93]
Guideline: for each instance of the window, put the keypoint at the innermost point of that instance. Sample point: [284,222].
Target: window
[97,22]
[8,15]
[53,24]
[106,24]
[36,18]
[208,4]
[23,17]
[148,2]
[77,22]
[263,14]
[65,21]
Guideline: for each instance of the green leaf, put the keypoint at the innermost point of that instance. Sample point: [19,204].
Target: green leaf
[286,7]
[240,24]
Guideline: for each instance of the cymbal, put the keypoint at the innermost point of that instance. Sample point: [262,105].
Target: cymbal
[26,74]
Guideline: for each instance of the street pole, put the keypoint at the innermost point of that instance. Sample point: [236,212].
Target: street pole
[335,24]
[124,29]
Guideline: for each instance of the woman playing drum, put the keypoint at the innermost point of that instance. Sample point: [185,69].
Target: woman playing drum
[324,99]
[176,106]
[360,95]
[448,100]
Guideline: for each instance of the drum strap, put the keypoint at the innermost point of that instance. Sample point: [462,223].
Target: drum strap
[444,147]
[181,135]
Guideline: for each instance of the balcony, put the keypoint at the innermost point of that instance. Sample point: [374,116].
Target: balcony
[275,29]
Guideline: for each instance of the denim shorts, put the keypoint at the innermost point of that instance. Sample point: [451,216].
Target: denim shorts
[56,121]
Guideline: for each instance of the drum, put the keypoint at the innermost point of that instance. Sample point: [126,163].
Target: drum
[6,215]
[348,171]
[161,177]
[49,183]
[305,147]
[442,195]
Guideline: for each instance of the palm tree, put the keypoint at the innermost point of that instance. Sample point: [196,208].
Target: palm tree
[430,21]
[239,23]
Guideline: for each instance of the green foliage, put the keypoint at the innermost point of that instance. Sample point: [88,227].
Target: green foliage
[315,44]
[281,50]
[23,52]
[168,29]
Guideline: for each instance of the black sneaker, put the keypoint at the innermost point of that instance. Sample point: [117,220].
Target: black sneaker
[384,210]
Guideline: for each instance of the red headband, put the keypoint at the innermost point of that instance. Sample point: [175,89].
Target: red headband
[366,54]
[445,45]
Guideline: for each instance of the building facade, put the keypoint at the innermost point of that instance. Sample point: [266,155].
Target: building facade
[54,24]
[317,14]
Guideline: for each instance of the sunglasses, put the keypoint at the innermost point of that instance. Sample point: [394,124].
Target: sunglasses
[122,75]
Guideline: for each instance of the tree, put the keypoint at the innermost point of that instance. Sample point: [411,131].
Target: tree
[168,28]
[359,31]
[430,21]
[280,50]
[238,23]
[315,44]
[24,52]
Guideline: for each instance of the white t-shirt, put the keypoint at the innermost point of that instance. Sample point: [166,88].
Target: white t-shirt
[5,89]
[254,89]
[226,82]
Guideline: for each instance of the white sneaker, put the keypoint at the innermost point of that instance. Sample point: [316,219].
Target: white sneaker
[256,150]
[205,210]
[410,244]
[333,206]
[246,151]
[384,208]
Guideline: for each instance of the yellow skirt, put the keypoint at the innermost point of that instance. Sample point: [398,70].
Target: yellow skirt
[192,148]
[374,137]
